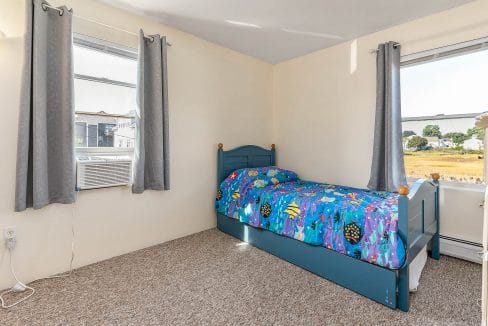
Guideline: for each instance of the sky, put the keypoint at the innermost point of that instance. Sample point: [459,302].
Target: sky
[448,86]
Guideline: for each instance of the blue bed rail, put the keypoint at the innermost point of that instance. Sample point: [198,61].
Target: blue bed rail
[418,224]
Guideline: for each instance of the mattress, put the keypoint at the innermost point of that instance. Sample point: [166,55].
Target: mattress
[359,223]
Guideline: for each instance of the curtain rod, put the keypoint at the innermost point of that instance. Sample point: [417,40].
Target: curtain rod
[45,7]
[448,45]
[376,50]
[439,47]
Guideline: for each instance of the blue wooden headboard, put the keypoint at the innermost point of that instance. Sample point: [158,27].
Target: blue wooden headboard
[248,156]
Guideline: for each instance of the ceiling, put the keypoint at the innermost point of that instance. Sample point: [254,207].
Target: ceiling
[277,30]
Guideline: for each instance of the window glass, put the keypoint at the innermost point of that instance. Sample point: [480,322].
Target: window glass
[99,97]
[103,65]
[105,98]
[92,135]
[80,134]
[106,134]
[440,102]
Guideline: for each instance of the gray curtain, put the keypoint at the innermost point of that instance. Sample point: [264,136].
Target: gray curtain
[151,170]
[45,153]
[387,169]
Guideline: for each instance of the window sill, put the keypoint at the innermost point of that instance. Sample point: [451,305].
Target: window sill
[476,187]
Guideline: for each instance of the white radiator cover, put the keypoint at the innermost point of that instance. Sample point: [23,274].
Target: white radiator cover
[103,171]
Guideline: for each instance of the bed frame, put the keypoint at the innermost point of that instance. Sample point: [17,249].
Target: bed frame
[418,214]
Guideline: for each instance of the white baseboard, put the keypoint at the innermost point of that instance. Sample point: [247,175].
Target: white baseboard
[460,249]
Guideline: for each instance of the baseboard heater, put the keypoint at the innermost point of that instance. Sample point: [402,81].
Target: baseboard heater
[461,249]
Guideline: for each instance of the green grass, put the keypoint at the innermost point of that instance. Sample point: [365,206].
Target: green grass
[452,165]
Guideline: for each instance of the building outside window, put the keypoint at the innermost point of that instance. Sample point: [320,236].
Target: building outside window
[104,130]
[442,94]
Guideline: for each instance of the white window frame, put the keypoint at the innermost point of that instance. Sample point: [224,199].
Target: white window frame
[112,49]
[444,52]
[439,53]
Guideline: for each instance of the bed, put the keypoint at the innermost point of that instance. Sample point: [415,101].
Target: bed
[360,239]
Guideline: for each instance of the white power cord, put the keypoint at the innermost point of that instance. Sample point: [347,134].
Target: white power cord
[21,287]
[70,271]
[18,287]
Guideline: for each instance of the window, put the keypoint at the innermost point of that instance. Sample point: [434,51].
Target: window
[106,133]
[92,135]
[443,91]
[105,95]
[80,134]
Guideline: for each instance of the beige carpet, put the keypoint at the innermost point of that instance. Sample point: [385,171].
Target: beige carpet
[208,278]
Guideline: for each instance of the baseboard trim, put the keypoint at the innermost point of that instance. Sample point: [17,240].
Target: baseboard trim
[460,249]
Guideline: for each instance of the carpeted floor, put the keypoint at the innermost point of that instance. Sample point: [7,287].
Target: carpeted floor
[210,278]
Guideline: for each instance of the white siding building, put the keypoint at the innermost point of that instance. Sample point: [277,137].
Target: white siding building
[473,144]
[101,129]
[446,123]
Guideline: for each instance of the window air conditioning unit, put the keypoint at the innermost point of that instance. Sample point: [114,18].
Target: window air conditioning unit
[103,171]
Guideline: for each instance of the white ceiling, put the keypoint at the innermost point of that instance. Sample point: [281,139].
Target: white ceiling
[277,30]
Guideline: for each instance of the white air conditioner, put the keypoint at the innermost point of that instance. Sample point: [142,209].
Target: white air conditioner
[103,171]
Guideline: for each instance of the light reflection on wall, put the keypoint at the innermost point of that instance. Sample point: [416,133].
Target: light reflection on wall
[354,56]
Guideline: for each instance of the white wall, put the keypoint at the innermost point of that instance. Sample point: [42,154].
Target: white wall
[215,94]
[324,106]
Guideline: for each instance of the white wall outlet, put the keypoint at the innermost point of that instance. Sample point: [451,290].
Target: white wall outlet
[10,232]
[10,235]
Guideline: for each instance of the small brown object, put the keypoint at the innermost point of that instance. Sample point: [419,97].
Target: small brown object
[273,146]
[403,190]
[435,176]
[221,145]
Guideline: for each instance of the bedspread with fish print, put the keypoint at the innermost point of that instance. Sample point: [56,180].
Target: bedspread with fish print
[356,222]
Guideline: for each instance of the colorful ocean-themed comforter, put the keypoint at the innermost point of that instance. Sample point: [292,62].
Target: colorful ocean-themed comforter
[359,223]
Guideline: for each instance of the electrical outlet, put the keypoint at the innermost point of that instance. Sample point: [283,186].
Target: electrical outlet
[10,235]
[10,232]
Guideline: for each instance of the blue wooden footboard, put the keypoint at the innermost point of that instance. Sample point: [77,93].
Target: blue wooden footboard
[418,224]
[418,217]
